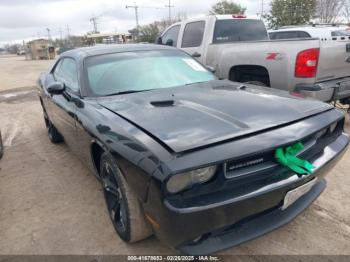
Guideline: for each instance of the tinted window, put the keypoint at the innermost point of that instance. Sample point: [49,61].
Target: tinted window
[341,33]
[193,34]
[233,30]
[172,34]
[143,70]
[289,35]
[66,72]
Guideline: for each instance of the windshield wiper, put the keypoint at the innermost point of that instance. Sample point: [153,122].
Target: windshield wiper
[128,92]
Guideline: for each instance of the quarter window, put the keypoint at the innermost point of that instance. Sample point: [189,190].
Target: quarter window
[170,37]
[193,34]
[66,72]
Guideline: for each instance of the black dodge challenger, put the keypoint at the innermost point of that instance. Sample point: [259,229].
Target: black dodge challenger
[204,164]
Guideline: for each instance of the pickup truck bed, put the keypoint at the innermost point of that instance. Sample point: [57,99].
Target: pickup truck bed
[310,66]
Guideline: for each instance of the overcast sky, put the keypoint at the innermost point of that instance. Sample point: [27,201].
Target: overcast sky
[28,19]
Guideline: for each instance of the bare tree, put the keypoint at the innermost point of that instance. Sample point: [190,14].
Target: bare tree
[329,11]
[346,10]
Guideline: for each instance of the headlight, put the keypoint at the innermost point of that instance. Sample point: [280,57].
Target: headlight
[182,181]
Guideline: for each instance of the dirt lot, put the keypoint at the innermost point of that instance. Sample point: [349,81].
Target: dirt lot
[51,205]
[17,72]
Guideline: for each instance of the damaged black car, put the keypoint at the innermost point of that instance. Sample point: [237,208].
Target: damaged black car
[204,164]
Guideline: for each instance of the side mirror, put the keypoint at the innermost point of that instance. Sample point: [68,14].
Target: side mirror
[210,68]
[159,40]
[169,42]
[56,88]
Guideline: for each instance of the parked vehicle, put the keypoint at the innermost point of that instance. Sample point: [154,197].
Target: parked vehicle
[182,154]
[239,49]
[323,32]
[1,147]
[21,52]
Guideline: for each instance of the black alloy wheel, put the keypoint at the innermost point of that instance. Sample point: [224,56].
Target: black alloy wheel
[114,199]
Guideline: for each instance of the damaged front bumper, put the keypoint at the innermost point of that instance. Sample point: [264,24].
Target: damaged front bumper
[206,228]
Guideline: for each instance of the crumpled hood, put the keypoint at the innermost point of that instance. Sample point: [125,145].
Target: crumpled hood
[185,118]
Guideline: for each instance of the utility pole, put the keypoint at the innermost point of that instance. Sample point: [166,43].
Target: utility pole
[48,34]
[136,8]
[94,22]
[169,6]
[68,32]
[60,31]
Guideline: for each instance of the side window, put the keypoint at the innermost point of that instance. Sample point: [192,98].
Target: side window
[302,34]
[193,34]
[66,72]
[171,35]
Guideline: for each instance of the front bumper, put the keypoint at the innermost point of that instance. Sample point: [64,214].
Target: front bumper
[226,224]
[326,91]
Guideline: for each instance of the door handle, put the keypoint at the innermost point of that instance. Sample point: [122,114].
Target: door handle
[196,54]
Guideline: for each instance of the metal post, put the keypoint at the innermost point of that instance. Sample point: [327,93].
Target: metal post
[136,7]
[169,8]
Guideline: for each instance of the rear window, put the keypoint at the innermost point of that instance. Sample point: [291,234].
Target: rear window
[341,33]
[289,35]
[233,30]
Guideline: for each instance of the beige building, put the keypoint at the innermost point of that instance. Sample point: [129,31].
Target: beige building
[40,49]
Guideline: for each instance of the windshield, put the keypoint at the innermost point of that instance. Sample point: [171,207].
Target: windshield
[233,30]
[143,70]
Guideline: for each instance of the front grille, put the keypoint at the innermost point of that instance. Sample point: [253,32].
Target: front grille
[262,162]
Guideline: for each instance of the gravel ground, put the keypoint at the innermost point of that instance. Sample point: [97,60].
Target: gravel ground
[50,204]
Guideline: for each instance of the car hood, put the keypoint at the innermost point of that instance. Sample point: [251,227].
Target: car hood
[197,115]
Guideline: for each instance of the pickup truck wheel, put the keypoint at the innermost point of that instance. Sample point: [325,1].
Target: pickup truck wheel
[257,83]
[54,136]
[123,206]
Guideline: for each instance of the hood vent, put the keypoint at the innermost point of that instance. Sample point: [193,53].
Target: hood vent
[165,103]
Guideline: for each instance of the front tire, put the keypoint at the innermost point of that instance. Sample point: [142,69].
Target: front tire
[123,205]
[54,136]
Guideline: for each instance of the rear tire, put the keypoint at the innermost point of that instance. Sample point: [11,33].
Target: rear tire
[123,205]
[54,136]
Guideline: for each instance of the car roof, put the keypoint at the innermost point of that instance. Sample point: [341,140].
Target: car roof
[80,53]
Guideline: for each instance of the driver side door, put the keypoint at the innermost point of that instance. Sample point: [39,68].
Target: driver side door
[63,109]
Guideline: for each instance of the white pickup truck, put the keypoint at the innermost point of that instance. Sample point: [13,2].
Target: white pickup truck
[239,49]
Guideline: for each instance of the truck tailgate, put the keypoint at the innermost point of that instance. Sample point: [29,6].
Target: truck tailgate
[334,61]
[277,56]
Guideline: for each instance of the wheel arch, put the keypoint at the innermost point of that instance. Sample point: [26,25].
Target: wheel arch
[96,151]
[245,73]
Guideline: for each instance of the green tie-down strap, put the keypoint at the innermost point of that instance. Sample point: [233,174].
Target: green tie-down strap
[287,157]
